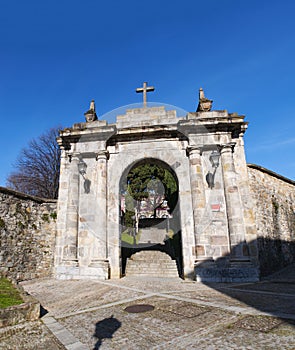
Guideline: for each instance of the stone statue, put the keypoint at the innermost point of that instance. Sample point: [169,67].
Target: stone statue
[204,103]
[90,115]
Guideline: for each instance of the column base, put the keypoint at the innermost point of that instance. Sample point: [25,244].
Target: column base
[204,259]
[70,262]
[99,266]
[225,271]
[98,269]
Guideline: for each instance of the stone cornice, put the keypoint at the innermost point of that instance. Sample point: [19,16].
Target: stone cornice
[73,135]
[146,132]
[202,122]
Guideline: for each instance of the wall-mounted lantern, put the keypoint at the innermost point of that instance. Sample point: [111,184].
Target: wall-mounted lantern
[214,160]
[82,166]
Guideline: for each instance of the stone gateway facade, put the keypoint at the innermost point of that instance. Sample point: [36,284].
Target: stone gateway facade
[212,218]
[205,215]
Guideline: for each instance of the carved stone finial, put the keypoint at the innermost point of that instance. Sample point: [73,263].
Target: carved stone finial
[204,103]
[201,94]
[90,115]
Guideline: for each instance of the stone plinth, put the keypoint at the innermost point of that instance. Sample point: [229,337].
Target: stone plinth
[226,272]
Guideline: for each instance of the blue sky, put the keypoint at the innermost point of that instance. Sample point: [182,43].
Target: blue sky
[58,55]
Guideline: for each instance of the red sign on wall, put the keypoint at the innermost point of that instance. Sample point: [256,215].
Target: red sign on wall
[215,207]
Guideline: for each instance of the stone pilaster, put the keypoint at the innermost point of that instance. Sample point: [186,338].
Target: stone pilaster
[100,245]
[61,206]
[198,200]
[70,247]
[235,216]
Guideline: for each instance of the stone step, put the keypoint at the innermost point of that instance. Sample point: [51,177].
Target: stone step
[151,263]
[151,254]
[152,272]
[131,268]
[162,275]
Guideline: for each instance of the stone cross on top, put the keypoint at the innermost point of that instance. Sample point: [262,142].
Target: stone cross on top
[144,90]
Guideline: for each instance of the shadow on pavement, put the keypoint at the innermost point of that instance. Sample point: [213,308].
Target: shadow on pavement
[43,311]
[274,294]
[105,329]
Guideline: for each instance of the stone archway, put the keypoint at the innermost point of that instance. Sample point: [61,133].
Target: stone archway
[216,219]
[150,220]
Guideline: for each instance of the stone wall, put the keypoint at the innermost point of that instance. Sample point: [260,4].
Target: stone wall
[27,235]
[275,218]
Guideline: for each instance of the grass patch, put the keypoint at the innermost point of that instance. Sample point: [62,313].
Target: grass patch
[9,295]
[128,238]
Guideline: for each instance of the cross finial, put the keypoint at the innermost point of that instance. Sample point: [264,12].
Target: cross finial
[144,90]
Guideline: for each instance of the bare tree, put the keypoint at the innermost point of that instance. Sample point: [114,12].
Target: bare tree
[37,167]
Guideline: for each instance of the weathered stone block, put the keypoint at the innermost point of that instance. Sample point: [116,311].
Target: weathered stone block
[219,240]
[200,250]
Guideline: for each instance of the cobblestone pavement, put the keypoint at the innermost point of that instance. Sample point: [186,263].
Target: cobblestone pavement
[185,315]
[29,336]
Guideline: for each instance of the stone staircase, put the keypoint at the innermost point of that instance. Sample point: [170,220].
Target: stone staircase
[151,263]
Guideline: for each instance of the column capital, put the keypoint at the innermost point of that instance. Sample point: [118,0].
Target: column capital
[103,154]
[190,150]
[73,156]
[226,147]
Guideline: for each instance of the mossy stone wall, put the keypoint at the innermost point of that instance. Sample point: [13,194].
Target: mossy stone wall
[27,235]
[275,218]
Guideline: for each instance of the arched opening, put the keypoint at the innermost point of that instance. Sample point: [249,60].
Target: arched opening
[149,211]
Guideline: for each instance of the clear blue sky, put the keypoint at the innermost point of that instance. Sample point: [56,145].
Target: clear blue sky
[58,55]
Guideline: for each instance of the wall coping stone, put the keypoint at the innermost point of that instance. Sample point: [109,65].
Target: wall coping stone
[21,195]
[272,173]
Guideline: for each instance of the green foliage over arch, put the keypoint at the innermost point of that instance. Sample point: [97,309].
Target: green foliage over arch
[145,180]
[148,178]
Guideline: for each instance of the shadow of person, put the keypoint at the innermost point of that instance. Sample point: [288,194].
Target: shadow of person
[105,329]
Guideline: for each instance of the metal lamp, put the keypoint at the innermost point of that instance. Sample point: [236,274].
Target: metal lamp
[214,159]
[82,166]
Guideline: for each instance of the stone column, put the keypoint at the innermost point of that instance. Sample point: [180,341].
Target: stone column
[100,245]
[198,200]
[70,248]
[236,226]
[61,207]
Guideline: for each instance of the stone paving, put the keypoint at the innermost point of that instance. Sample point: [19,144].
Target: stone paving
[186,315]
[29,336]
